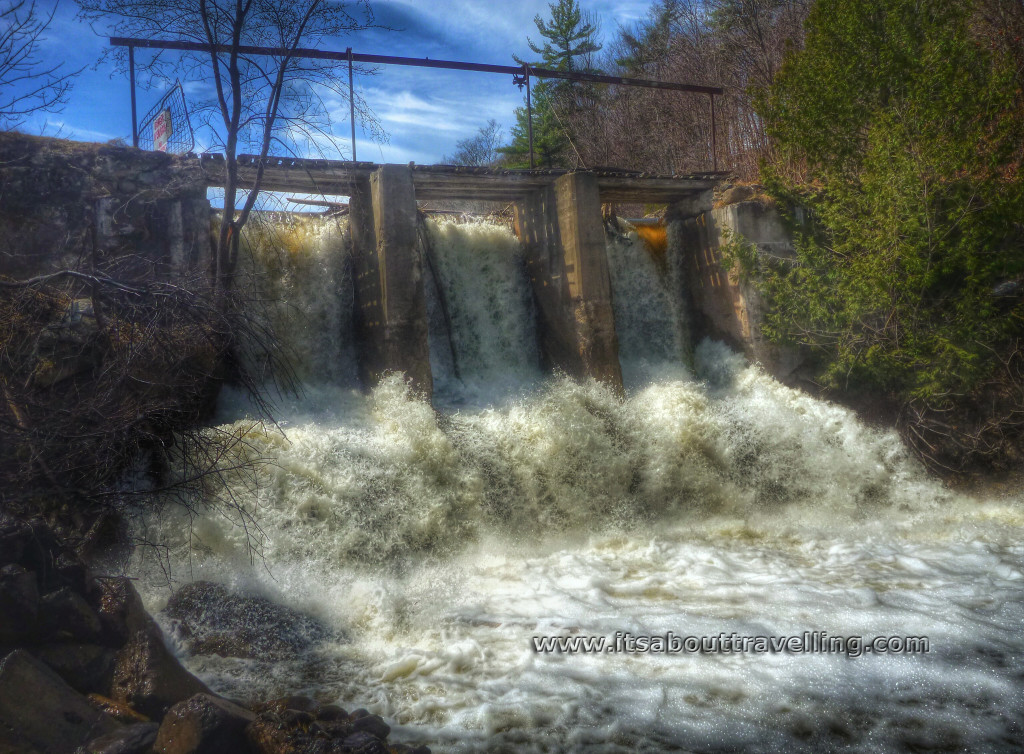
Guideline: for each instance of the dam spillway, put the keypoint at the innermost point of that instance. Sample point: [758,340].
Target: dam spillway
[558,221]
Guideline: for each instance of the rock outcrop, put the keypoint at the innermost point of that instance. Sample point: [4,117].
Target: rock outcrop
[81,656]
[84,668]
[212,620]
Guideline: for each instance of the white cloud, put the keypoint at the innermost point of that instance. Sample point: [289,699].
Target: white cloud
[426,111]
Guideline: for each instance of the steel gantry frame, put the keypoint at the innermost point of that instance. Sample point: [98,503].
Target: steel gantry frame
[521,75]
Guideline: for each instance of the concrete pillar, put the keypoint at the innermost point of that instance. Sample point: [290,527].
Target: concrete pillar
[586,270]
[391,310]
[564,244]
[536,224]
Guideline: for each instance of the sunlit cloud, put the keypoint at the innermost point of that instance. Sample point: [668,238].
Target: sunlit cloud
[425,112]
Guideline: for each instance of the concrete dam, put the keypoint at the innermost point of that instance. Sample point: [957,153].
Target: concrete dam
[563,236]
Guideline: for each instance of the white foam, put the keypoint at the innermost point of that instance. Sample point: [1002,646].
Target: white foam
[439,544]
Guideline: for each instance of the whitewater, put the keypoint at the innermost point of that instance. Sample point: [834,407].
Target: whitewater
[439,541]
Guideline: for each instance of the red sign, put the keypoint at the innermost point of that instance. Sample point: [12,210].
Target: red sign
[162,130]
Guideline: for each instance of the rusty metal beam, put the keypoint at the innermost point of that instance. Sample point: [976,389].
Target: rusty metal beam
[544,73]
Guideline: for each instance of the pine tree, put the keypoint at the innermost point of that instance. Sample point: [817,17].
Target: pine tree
[571,41]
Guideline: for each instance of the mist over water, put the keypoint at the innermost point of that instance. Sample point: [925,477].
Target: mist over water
[710,500]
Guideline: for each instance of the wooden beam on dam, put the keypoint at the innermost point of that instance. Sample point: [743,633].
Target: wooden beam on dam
[452,182]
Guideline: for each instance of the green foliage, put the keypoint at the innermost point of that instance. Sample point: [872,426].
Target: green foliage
[646,48]
[910,133]
[739,254]
[569,36]
[571,42]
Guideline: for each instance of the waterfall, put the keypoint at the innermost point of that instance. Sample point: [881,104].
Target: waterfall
[486,345]
[295,279]
[647,297]
[711,500]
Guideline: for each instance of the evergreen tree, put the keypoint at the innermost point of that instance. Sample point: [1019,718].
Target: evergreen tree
[570,43]
[909,132]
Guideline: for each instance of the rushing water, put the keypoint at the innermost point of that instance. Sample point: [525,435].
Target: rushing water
[711,500]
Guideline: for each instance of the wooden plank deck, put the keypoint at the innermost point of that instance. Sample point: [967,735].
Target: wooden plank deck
[451,182]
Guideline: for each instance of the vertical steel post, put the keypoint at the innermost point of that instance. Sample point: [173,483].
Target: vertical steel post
[529,111]
[131,75]
[714,151]
[351,104]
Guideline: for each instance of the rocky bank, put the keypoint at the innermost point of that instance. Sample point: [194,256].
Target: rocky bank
[85,669]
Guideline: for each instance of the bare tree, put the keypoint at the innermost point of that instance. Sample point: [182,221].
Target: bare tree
[736,44]
[481,149]
[255,102]
[28,82]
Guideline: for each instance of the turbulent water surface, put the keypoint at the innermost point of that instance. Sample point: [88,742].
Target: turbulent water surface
[711,500]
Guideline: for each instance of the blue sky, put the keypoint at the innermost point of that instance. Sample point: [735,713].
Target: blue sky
[424,111]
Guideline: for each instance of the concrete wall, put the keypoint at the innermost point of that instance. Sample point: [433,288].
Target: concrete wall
[722,305]
[67,205]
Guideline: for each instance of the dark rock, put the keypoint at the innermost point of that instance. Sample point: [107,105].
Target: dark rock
[362,742]
[19,603]
[372,724]
[294,717]
[147,676]
[117,710]
[64,614]
[39,550]
[268,737]
[332,712]
[215,621]
[87,668]
[204,724]
[13,536]
[736,194]
[41,713]
[118,602]
[131,739]
[72,572]
[301,704]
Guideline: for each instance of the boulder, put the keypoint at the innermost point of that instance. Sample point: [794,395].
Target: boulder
[117,710]
[362,742]
[331,712]
[33,545]
[372,724]
[87,668]
[40,713]
[19,603]
[130,739]
[147,675]
[65,615]
[13,535]
[204,724]
[212,620]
